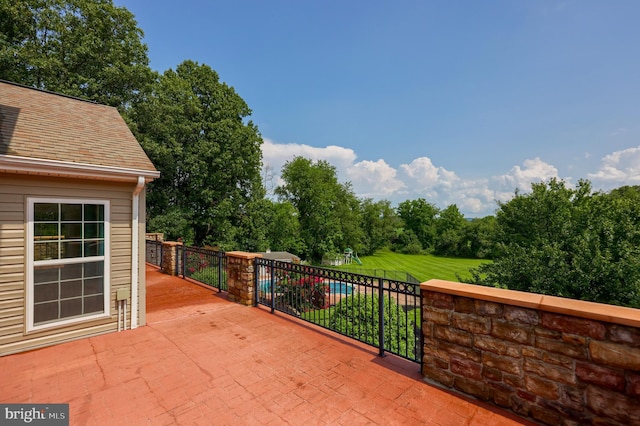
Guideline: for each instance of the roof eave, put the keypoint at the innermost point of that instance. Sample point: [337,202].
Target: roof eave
[39,166]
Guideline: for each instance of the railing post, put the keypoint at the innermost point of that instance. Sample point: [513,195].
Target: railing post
[219,258]
[241,276]
[273,287]
[184,261]
[381,316]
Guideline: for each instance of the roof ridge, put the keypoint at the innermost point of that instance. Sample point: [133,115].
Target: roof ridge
[13,83]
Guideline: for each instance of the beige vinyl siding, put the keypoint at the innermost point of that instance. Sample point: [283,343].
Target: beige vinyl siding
[14,191]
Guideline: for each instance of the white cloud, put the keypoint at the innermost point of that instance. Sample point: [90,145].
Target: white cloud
[617,169]
[442,187]
[374,179]
[521,178]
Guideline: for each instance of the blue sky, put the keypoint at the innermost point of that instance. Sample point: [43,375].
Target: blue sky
[452,101]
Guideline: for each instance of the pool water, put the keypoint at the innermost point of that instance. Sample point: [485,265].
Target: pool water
[334,287]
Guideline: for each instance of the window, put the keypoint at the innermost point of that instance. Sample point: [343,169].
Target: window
[68,261]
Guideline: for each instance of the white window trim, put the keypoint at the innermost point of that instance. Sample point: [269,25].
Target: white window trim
[30,263]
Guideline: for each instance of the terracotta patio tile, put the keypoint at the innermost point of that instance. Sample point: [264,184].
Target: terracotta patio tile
[204,360]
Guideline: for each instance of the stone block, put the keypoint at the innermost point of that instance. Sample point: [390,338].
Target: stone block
[436,316]
[437,375]
[545,415]
[562,348]
[461,351]
[459,337]
[472,323]
[544,388]
[503,363]
[523,315]
[573,325]
[602,376]
[500,347]
[442,300]
[489,309]
[548,371]
[633,384]
[614,354]
[466,367]
[501,393]
[514,332]
[613,405]
[513,380]
[480,390]
[492,374]
[464,305]
[622,334]
[520,406]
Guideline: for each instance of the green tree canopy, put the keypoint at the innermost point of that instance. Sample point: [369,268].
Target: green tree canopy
[419,217]
[379,224]
[85,48]
[327,210]
[193,128]
[570,243]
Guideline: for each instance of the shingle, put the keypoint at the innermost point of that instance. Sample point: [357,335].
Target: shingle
[44,125]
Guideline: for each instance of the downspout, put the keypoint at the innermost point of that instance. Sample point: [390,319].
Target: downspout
[135,233]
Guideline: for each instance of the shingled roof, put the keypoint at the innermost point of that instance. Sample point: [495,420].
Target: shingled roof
[44,130]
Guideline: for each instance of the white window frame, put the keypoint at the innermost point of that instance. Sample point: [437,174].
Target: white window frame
[31,263]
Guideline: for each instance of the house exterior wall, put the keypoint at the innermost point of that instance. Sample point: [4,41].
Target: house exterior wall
[15,190]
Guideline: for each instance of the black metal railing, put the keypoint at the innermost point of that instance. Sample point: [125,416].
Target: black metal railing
[380,312]
[153,252]
[203,265]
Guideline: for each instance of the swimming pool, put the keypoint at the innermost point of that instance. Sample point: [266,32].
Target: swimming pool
[334,287]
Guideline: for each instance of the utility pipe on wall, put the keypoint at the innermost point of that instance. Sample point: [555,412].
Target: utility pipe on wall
[134,251]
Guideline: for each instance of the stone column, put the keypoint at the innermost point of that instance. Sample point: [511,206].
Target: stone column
[241,277]
[169,257]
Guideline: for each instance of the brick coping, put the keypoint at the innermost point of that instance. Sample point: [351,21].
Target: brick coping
[578,308]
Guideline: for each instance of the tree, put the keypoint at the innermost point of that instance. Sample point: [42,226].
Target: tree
[450,227]
[419,217]
[379,225]
[327,210]
[85,48]
[568,242]
[192,127]
[479,238]
[283,228]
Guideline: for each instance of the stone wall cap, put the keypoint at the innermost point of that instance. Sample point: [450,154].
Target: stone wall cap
[243,254]
[171,243]
[578,308]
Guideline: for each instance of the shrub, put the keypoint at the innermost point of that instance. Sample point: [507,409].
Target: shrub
[357,316]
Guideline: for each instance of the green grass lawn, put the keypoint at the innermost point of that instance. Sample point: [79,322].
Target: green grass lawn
[423,267]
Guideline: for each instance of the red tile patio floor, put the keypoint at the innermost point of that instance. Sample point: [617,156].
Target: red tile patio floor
[204,360]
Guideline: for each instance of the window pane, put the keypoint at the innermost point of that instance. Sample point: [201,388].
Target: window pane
[45,212]
[45,274]
[45,312]
[70,289]
[45,292]
[94,230]
[93,212]
[94,269]
[71,307]
[94,304]
[71,212]
[71,231]
[71,249]
[45,230]
[94,248]
[70,272]
[45,251]
[93,286]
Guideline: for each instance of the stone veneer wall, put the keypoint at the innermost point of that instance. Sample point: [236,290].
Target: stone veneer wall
[170,257]
[241,277]
[555,360]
